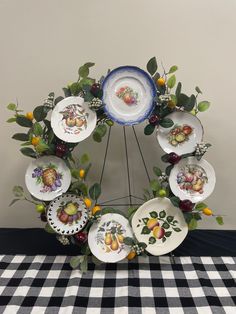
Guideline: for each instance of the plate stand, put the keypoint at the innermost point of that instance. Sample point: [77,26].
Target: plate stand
[130,199]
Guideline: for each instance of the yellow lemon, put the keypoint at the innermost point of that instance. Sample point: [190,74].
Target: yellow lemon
[81,173]
[161,81]
[131,255]
[95,209]
[35,140]
[207,211]
[87,202]
[29,116]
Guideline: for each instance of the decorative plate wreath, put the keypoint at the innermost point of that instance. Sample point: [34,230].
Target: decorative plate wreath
[70,208]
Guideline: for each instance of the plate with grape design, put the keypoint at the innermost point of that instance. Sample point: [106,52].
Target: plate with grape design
[192,179]
[67,214]
[159,225]
[47,177]
[183,136]
[72,121]
[128,95]
[106,238]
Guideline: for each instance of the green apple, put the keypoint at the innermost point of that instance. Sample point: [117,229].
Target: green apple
[70,209]
[162,193]
[40,208]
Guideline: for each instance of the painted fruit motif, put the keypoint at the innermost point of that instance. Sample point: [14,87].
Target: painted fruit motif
[179,134]
[69,213]
[128,95]
[49,176]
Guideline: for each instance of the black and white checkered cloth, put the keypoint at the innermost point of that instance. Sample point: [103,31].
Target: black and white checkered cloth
[46,284]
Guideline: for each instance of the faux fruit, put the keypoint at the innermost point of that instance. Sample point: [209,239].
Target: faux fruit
[61,150]
[79,122]
[49,176]
[81,173]
[95,88]
[108,239]
[114,244]
[158,232]
[186,205]
[81,237]
[162,193]
[179,134]
[161,81]
[152,222]
[70,209]
[70,122]
[154,119]
[35,140]
[131,255]
[173,158]
[96,209]
[87,202]
[192,179]
[40,208]
[43,217]
[29,116]
[120,238]
[207,211]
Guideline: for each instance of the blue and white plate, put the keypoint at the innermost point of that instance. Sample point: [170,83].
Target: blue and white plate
[128,94]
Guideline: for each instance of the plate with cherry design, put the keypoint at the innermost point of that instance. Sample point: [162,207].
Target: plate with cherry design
[67,214]
[72,121]
[159,225]
[183,136]
[192,179]
[128,94]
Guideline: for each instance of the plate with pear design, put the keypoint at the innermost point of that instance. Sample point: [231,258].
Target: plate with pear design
[67,214]
[106,238]
[72,121]
[183,136]
[159,225]
[47,177]
[128,95]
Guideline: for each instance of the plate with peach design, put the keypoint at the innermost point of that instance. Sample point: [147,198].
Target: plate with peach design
[67,214]
[72,121]
[159,225]
[128,94]
[106,238]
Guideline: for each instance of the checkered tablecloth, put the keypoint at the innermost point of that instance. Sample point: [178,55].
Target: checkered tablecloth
[46,284]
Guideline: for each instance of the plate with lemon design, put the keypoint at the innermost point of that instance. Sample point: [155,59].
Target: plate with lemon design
[106,238]
[67,214]
[159,225]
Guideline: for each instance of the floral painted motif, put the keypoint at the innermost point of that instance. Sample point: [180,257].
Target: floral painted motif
[74,119]
[48,177]
[110,236]
[192,179]
[179,134]
[128,95]
[68,213]
[158,226]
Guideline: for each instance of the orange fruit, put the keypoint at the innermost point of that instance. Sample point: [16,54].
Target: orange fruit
[81,173]
[95,209]
[131,255]
[29,116]
[35,140]
[207,211]
[161,81]
[171,104]
[87,202]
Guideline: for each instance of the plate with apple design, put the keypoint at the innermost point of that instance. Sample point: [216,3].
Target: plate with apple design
[67,214]
[106,238]
[183,136]
[128,94]
[192,179]
[159,225]
[72,121]
[47,177]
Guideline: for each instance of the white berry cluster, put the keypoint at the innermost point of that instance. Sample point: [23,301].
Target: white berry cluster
[163,178]
[164,98]
[201,149]
[138,249]
[95,103]
[64,240]
[49,101]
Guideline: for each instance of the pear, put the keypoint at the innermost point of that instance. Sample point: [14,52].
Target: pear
[70,209]
[114,245]
[108,239]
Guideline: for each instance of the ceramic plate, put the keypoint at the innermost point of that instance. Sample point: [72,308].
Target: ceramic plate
[128,94]
[47,177]
[183,137]
[72,120]
[160,225]
[67,214]
[192,179]
[105,238]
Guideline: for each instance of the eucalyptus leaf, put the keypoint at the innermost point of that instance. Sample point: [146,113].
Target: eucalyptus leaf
[75,88]
[152,66]
[58,99]
[190,103]
[84,159]
[192,224]
[10,120]
[14,201]
[18,191]
[37,129]
[168,169]
[220,220]
[40,113]
[97,137]
[166,123]
[101,129]
[95,191]
[155,185]
[157,171]
[11,107]
[171,81]
[178,89]
[75,261]
[203,105]
[200,206]
[84,265]
[149,129]
[27,151]
[129,241]
[173,69]
[21,137]
[175,200]
[182,99]
[197,89]
[23,121]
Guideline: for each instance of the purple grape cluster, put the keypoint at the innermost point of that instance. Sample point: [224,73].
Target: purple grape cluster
[38,172]
[57,183]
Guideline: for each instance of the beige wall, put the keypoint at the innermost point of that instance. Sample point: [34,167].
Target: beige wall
[44,42]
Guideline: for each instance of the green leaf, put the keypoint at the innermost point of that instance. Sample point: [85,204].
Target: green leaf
[177,229]
[178,89]
[75,261]
[129,241]
[175,201]
[182,99]
[145,230]
[165,158]
[84,159]
[18,191]
[48,228]
[149,129]
[173,69]
[173,99]
[37,129]
[165,225]
[66,91]
[14,201]
[21,137]
[40,113]
[197,89]
[145,220]
[75,173]
[11,106]
[84,69]
[23,121]
[101,129]
[95,191]
[200,206]
[84,265]
[166,123]
[152,240]
[152,66]
[220,220]
[162,214]
[168,233]
[171,81]
[155,185]
[189,105]
[170,218]
[131,211]
[153,214]
[10,120]
[157,171]
[192,224]
[27,151]
[58,99]
[28,143]
[97,137]
[197,216]
[42,146]
[203,105]
[75,88]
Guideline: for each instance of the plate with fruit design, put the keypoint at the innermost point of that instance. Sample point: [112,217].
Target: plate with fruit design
[47,177]
[72,121]
[128,94]
[192,179]
[183,136]
[67,214]
[159,225]
[106,238]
